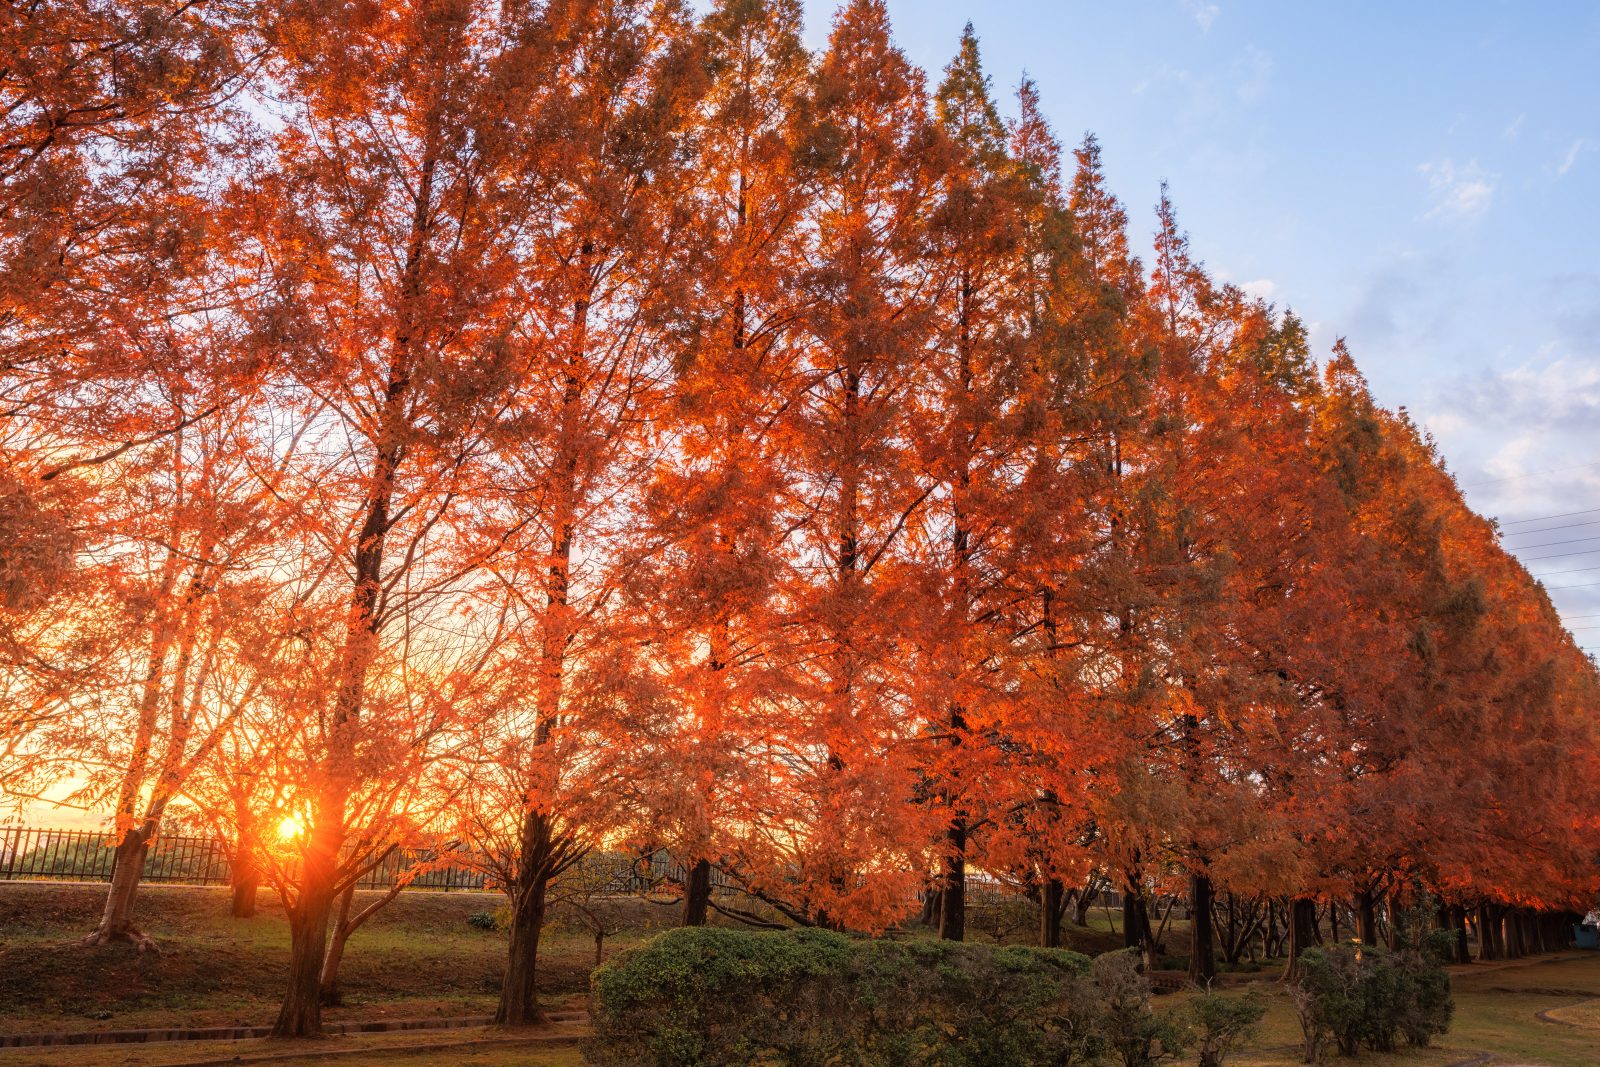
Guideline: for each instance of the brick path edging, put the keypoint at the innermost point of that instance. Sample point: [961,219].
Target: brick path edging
[242,1033]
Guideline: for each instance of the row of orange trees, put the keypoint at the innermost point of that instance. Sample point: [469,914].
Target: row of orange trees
[568,422]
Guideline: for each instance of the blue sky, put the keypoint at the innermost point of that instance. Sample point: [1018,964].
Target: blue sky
[1420,178]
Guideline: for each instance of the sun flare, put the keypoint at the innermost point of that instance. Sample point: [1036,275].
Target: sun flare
[290,828]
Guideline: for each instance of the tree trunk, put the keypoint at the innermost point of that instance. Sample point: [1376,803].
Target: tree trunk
[246,882]
[1052,905]
[1366,918]
[1485,933]
[1136,930]
[953,899]
[127,867]
[1459,951]
[1202,951]
[301,1014]
[697,893]
[1085,901]
[930,906]
[328,981]
[519,1000]
[1302,933]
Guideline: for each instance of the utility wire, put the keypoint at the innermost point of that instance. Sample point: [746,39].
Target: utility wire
[1553,529]
[1585,585]
[1560,555]
[1574,570]
[1553,544]
[1547,518]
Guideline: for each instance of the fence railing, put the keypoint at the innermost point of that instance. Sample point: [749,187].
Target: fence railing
[35,854]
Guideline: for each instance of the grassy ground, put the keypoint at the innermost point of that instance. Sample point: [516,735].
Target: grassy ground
[1498,1009]
[418,957]
[421,957]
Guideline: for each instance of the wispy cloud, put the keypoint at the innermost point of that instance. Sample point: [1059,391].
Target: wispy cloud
[1457,193]
[1204,14]
[1571,157]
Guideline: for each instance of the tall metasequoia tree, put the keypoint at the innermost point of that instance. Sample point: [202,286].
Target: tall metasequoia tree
[970,447]
[607,207]
[392,304]
[707,595]
[838,768]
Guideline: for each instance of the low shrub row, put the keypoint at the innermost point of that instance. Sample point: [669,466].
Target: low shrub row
[712,996]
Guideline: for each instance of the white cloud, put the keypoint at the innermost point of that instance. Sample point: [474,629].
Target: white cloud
[1204,14]
[1571,158]
[1261,289]
[1514,127]
[1457,193]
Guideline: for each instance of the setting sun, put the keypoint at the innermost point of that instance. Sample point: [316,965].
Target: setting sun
[290,828]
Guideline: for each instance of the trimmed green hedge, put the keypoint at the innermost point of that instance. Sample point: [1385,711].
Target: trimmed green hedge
[706,996]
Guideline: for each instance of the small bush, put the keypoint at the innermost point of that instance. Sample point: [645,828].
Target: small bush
[1221,1024]
[999,921]
[1364,997]
[483,920]
[717,996]
[1139,1035]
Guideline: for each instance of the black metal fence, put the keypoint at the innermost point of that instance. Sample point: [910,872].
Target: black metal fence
[34,854]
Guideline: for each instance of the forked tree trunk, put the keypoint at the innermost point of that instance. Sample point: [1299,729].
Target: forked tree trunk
[1080,910]
[930,906]
[328,980]
[127,867]
[301,1014]
[1202,950]
[697,893]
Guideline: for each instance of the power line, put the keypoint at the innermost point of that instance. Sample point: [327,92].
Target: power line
[1558,555]
[1553,529]
[1585,585]
[1574,570]
[1553,544]
[1547,518]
